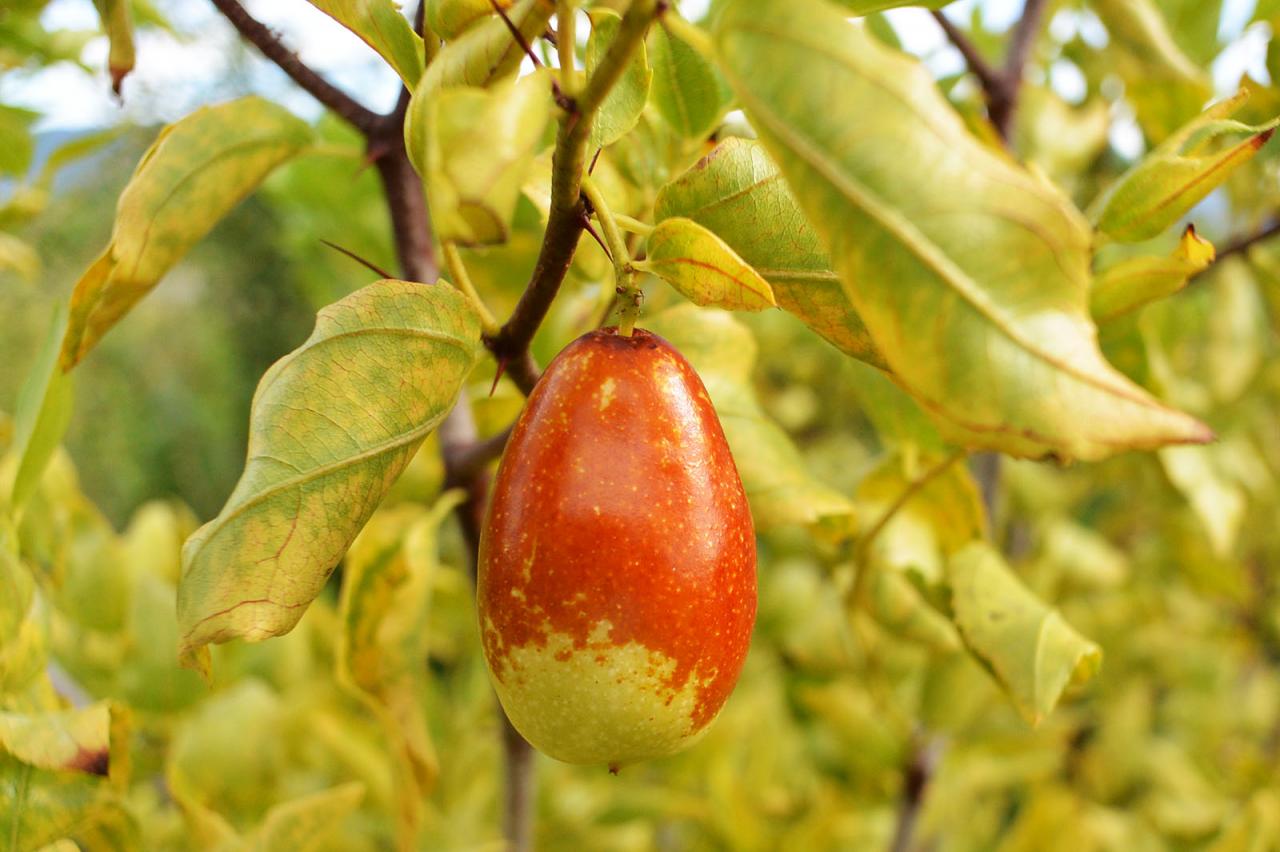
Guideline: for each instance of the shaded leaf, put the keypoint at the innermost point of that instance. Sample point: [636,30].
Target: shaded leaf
[380,25]
[687,90]
[331,427]
[621,108]
[703,269]
[476,148]
[51,806]
[1180,172]
[1136,281]
[1029,648]
[384,610]
[487,52]
[899,607]
[196,171]
[117,21]
[306,822]
[738,192]
[779,487]
[898,419]
[951,237]
[42,414]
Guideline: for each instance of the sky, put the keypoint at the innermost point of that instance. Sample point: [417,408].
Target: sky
[174,76]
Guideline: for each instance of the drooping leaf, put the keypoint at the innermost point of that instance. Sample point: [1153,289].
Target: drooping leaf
[42,414]
[381,26]
[929,228]
[621,108]
[779,487]
[331,427]
[476,148]
[305,822]
[1136,281]
[738,192]
[687,90]
[384,610]
[1028,647]
[87,739]
[450,18]
[196,171]
[487,51]
[1185,168]
[703,269]
[117,21]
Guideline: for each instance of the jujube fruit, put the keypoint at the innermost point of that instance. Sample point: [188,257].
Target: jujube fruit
[617,574]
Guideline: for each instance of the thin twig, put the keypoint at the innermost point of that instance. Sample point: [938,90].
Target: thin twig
[1242,244]
[516,34]
[988,77]
[367,264]
[926,752]
[565,221]
[269,44]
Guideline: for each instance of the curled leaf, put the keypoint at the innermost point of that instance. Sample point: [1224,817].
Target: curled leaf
[1029,648]
[1181,171]
[929,228]
[331,427]
[705,270]
[737,192]
[196,171]
[117,21]
[450,18]
[1136,281]
[477,145]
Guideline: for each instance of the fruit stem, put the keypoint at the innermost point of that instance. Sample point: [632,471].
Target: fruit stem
[461,281]
[624,275]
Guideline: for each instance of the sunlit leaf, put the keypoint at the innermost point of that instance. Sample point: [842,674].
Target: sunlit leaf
[42,415]
[117,21]
[621,108]
[951,237]
[476,148]
[78,740]
[738,193]
[195,172]
[450,18]
[332,426]
[687,89]
[779,487]
[1185,168]
[381,26]
[487,52]
[1132,283]
[1029,648]
[703,269]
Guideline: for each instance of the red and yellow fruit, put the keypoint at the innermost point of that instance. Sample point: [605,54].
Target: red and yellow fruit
[617,585]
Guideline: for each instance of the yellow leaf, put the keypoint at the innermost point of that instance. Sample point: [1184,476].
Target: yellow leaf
[703,269]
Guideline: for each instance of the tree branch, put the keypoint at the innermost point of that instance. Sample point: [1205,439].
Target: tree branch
[1242,244]
[1001,88]
[567,216]
[268,43]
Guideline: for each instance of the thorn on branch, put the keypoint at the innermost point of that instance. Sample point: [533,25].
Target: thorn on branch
[370,265]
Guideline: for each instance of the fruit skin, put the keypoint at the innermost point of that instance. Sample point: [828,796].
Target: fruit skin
[617,571]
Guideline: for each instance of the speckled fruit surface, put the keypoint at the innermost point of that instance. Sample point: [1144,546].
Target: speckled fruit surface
[617,576]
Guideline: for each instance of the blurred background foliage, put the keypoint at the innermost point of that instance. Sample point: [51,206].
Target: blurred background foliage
[1166,560]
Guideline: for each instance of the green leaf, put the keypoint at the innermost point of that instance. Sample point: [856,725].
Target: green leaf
[476,149]
[866,7]
[196,171]
[703,269]
[117,21]
[1217,499]
[779,487]
[1179,173]
[687,90]
[384,610]
[307,821]
[1137,281]
[50,806]
[90,739]
[381,26]
[738,192]
[900,607]
[332,425]
[42,414]
[930,229]
[621,108]
[450,18]
[1028,647]
[487,52]
[22,622]
[16,143]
